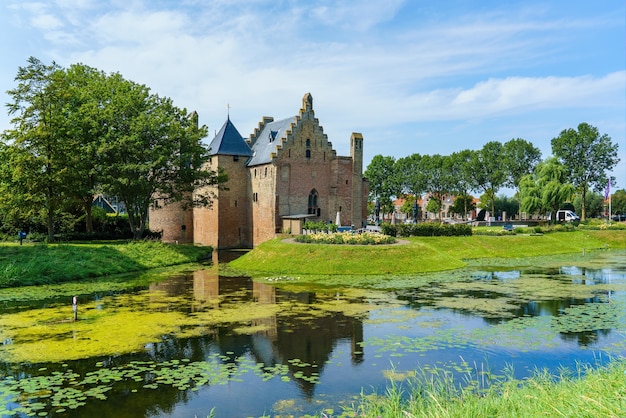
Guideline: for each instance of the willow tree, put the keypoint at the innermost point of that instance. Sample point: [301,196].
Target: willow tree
[546,189]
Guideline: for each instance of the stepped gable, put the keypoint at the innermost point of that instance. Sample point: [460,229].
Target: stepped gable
[229,141]
[267,140]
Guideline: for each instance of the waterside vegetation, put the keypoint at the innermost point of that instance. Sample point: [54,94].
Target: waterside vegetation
[433,393]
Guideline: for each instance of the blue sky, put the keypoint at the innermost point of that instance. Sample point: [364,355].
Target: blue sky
[412,76]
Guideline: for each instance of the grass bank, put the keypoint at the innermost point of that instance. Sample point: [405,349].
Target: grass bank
[599,394]
[56,263]
[415,254]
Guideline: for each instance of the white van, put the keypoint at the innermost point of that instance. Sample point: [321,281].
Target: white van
[566,216]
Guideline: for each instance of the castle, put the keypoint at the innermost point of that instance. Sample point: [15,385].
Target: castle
[285,173]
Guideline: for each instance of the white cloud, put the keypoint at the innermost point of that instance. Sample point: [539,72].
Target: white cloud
[368,66]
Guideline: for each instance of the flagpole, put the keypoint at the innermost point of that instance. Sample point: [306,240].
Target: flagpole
[610,218]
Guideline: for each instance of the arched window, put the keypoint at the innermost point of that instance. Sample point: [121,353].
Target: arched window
[308,153]
[313,208]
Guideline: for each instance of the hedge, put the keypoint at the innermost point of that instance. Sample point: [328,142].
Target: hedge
[426,229]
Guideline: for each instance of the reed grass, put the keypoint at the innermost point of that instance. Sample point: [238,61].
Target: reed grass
[586,392]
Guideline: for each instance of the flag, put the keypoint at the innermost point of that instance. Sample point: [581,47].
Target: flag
[608,189]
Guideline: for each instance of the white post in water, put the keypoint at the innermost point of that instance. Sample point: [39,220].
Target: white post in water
[75,307]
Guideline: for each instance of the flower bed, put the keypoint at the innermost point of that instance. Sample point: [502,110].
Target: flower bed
[365,238]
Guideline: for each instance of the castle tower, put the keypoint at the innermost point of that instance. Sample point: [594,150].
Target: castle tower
[226,223]
[359,192]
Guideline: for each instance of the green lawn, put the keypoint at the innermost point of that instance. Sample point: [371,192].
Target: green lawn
[32,264]
[415,254]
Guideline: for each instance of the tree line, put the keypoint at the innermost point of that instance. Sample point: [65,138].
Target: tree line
[580,162]
[77,132]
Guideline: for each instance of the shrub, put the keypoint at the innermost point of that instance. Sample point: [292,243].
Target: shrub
[320,226]
[427,229]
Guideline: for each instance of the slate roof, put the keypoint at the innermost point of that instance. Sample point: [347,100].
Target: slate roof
[268,139]
[229,141]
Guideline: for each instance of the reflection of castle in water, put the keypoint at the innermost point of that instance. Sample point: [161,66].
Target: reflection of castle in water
[310,338]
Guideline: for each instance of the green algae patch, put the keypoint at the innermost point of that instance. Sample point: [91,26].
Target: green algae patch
[51,335]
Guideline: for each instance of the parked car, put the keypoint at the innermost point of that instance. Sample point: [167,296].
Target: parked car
[619,218]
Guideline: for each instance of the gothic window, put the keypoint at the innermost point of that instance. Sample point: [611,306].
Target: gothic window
[313,208]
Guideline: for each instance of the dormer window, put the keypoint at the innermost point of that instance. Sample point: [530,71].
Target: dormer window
[273,135]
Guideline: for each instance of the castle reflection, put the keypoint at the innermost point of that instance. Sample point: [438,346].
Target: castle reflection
[309,336]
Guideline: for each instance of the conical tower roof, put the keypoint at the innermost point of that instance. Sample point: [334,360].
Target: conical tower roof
[229,141]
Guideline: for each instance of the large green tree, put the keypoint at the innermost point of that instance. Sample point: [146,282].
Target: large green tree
[34,182]
[412,178]
[79,130]
[152,153]
[86,127]
[383,180]
[587,156]
[439,180]
[461,181]
[520,157]
[618,202]
[489,171]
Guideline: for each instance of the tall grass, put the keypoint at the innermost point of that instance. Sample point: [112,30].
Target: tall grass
[585,392]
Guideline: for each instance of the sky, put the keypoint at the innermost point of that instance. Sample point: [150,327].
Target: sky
[413,76]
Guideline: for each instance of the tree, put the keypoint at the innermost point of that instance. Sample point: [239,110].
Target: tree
[461,181]
[546,189]
[35,174]
[384,183]
[152,153]
[594,204]
[587,157]
[520,157]
[618,202]
[505,204]
[487,167]
[80,130]
[463,203]
[407,206]
[86,125]
[410,175]
[438,179]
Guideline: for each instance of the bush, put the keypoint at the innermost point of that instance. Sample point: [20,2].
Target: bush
[320,226]
[427,229]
